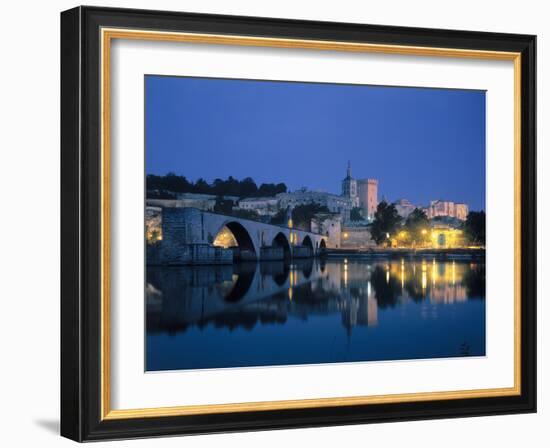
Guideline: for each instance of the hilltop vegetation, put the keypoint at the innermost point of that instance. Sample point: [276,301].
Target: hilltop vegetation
[245,188]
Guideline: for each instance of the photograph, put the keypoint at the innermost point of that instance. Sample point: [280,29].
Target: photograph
[306,223]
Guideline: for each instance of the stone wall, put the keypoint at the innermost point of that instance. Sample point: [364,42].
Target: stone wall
[357,238]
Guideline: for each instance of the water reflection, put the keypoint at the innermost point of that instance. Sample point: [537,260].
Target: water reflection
[313,311]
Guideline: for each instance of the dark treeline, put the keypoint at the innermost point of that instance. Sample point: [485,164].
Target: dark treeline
[219,187]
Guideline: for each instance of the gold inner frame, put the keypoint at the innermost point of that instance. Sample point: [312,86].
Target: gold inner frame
[107,35]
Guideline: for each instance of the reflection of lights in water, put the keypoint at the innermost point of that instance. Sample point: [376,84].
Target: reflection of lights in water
[424,267]
[402,275]
[454,273]
[424,279]
[293,276]
[387,276]
[345,277]
[290,294]
[434,272]
[368,288]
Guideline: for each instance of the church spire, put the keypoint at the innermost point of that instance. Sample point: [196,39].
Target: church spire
[349,170]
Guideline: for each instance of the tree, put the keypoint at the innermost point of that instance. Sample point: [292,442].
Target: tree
[202,187]
[474,227]
[355,214]
[302,214]
[386,220]
[171,182]
[416,226]
[248,188]
[271,189]
[279,218]
[246,214]
[223,206]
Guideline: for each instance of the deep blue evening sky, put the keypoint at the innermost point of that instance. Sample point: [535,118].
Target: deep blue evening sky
[421,144]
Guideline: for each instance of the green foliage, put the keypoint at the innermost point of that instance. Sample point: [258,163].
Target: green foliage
[223,206]
[416,226]
[302,214]
[229,187]
[355,214]
[386,221]
[279,218]
[246,214]
[474,227]
[160,194]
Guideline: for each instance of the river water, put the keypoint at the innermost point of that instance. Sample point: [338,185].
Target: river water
[313,311]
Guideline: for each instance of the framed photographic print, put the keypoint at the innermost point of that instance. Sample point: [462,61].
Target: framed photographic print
[273,223]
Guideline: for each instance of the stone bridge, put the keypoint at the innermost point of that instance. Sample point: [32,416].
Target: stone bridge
[191,236]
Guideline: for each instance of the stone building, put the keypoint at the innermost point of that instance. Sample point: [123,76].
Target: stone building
[404,207]
[349,187]
[367,191]
[266,206]
[444,236]
[330,225]
[335,203]
[201,201]
[439,208]
[356,237]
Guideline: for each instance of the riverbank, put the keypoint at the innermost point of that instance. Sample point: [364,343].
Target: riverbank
[393,253]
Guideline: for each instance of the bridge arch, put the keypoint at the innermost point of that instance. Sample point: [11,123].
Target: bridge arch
[281,240]
[322,244]
[234,235]
[307,242]
[245,276]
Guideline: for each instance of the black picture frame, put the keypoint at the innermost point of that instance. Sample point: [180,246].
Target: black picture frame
[81,224]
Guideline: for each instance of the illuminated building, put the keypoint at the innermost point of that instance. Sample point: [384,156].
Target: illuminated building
[356,237]
[153,224]
[449,209]
[446,237]
[367,191]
